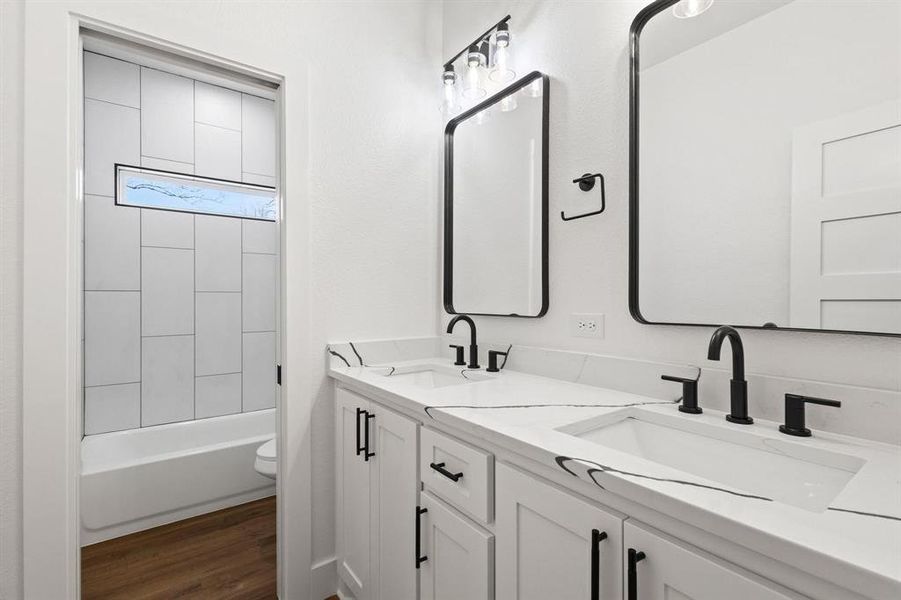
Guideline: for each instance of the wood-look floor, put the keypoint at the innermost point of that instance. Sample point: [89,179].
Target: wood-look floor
[226,555]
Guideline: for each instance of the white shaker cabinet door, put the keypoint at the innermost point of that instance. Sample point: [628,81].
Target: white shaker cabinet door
[658,567]
[352,519]
[551,544]
[458,555]
[395,490]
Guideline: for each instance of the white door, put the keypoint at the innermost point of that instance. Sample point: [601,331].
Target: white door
[352,519]
[394,494]
[666,570]
[551,544]
[846,222]
[458,553]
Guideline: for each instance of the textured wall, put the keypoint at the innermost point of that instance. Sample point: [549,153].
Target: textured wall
[583,46]
[11,110]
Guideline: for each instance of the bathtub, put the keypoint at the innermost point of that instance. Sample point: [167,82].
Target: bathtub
[141,478]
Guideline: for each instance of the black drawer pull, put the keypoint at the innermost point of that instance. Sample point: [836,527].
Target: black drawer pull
[360,448]
[440,468]
[597,537]
[419,559]
[634,557]
[366,453]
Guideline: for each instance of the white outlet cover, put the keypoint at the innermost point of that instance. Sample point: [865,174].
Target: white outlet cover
[589,325]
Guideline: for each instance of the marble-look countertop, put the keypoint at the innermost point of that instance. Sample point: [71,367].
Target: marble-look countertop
[854,543]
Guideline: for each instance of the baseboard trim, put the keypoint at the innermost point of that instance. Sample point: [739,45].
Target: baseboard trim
[325,579]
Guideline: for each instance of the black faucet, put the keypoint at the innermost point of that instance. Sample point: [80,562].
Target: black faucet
[738,385]
[473,346]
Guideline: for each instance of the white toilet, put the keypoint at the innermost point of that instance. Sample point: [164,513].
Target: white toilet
[265,462]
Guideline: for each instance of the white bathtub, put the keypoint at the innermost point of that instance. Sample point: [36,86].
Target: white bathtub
[141,478]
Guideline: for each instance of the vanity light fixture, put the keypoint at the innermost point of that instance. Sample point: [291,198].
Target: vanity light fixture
[686,9]
[481,67]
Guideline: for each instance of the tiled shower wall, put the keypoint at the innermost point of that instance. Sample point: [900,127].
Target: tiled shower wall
[180,309]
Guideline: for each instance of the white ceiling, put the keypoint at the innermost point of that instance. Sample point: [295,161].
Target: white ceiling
[665,36]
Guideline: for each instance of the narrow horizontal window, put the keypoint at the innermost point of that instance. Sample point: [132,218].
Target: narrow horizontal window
[151,188]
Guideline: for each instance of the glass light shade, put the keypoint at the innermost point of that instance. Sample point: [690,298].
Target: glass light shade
[450,103]
[502,71]
[687,9]
[474,78]
[508,103]
[482,116]
[534,89]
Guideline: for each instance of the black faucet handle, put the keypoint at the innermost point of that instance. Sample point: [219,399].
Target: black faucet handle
[460,358]
[795,414]
[689,393]
[492,360]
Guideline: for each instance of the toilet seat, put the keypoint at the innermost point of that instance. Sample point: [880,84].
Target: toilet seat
[266,460]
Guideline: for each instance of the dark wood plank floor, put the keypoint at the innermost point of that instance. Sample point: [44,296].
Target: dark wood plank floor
[227,555]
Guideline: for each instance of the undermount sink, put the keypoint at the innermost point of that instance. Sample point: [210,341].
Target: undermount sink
[432,376]
[784,471]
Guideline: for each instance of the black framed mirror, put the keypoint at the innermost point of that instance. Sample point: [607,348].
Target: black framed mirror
[496,204]
[765,165]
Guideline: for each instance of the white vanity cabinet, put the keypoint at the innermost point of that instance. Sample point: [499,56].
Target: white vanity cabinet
[551,544]
[377,486]
[666,569]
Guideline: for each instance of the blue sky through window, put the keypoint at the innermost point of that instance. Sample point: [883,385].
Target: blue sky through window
[188,193]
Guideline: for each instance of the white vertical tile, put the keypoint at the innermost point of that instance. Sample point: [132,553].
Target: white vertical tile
[218,254]
[218,333]
[167,292]
[112,245]
[167,165]
[260,237]
[217,152]
[217,395]
[112,408]
[112,337]
[112,134]
[258,132]
[217,106]
[167,379]
[112,80]
[166,229]
[167,116]
[258,179]
[259,371]
[259,292]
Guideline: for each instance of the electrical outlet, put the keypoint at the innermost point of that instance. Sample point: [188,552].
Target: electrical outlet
[587,325]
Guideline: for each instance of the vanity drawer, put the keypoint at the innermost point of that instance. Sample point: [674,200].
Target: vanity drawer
[458,473]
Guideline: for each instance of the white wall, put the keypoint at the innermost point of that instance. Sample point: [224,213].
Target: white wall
[583,46]
[180,308]
[11,111]
[362,155]
[716,174]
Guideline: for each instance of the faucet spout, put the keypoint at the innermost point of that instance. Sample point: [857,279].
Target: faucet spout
[738,386]
[473,344]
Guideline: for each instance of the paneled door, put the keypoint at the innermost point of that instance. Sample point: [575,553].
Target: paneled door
[551,544]
[659,568]
[846,222]
[352,522]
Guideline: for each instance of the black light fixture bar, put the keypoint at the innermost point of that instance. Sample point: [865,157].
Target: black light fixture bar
[475,42]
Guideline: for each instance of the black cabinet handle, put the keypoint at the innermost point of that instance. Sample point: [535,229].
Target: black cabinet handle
[596,538]
[440,468]
[360,449]
[634,557]
[419,559]
[366,453]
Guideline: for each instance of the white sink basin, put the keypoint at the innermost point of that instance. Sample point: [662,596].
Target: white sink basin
[782,470]
[432,376]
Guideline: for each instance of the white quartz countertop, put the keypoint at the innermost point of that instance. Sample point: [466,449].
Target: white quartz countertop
[855,542]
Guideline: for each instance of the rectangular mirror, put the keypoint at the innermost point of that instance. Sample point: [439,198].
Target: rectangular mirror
[496,204]
[765,159]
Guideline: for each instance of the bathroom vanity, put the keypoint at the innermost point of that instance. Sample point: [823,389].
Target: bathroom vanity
[463,484]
